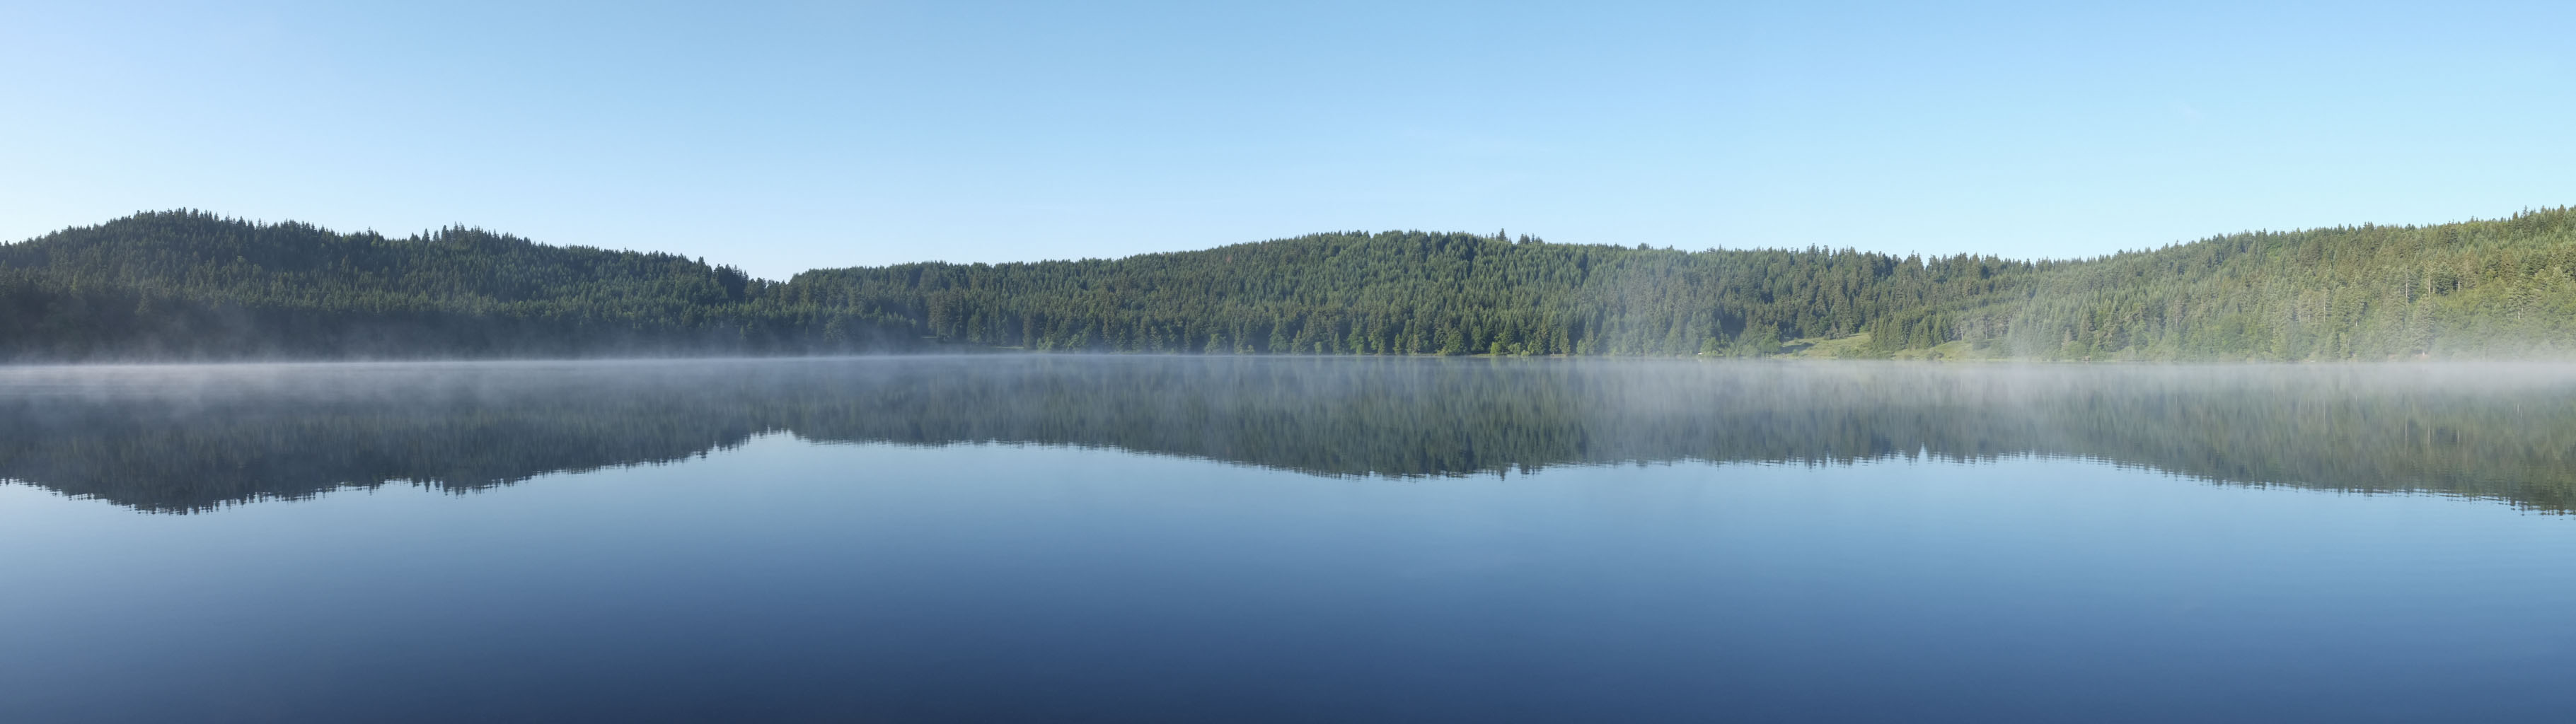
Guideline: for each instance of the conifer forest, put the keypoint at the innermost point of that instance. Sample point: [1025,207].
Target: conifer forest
[190,285]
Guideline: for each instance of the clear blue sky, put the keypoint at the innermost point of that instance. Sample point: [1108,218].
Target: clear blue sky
[791,136]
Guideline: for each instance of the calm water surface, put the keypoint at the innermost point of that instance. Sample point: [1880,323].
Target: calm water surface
[1191,539]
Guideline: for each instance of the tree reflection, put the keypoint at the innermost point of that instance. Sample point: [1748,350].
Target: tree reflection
[184,439]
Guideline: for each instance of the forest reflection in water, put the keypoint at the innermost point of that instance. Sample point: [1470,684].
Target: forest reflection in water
[193,438]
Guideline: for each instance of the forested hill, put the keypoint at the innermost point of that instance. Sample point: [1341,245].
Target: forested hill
[189,285]
[1416,293]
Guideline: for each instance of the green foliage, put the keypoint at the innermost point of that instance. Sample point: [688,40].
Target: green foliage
[1409,293]
[2498,288]
[192,285]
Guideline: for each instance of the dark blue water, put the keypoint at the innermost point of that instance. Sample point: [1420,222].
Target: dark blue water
[1183,540]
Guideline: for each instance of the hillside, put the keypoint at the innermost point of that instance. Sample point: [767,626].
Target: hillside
[1416,293]
[189,285]
[2499,288]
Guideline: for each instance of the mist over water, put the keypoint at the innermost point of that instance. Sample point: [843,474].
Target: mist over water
[1126,538]
[187,438]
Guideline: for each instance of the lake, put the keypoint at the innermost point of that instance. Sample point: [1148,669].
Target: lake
[1074,538]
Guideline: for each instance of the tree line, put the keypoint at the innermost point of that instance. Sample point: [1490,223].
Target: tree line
[193,285]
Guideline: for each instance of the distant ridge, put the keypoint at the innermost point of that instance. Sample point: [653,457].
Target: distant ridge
[189,285]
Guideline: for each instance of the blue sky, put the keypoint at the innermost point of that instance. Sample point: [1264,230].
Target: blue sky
[782,137]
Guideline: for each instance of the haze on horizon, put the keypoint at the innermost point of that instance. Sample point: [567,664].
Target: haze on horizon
[783,137]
